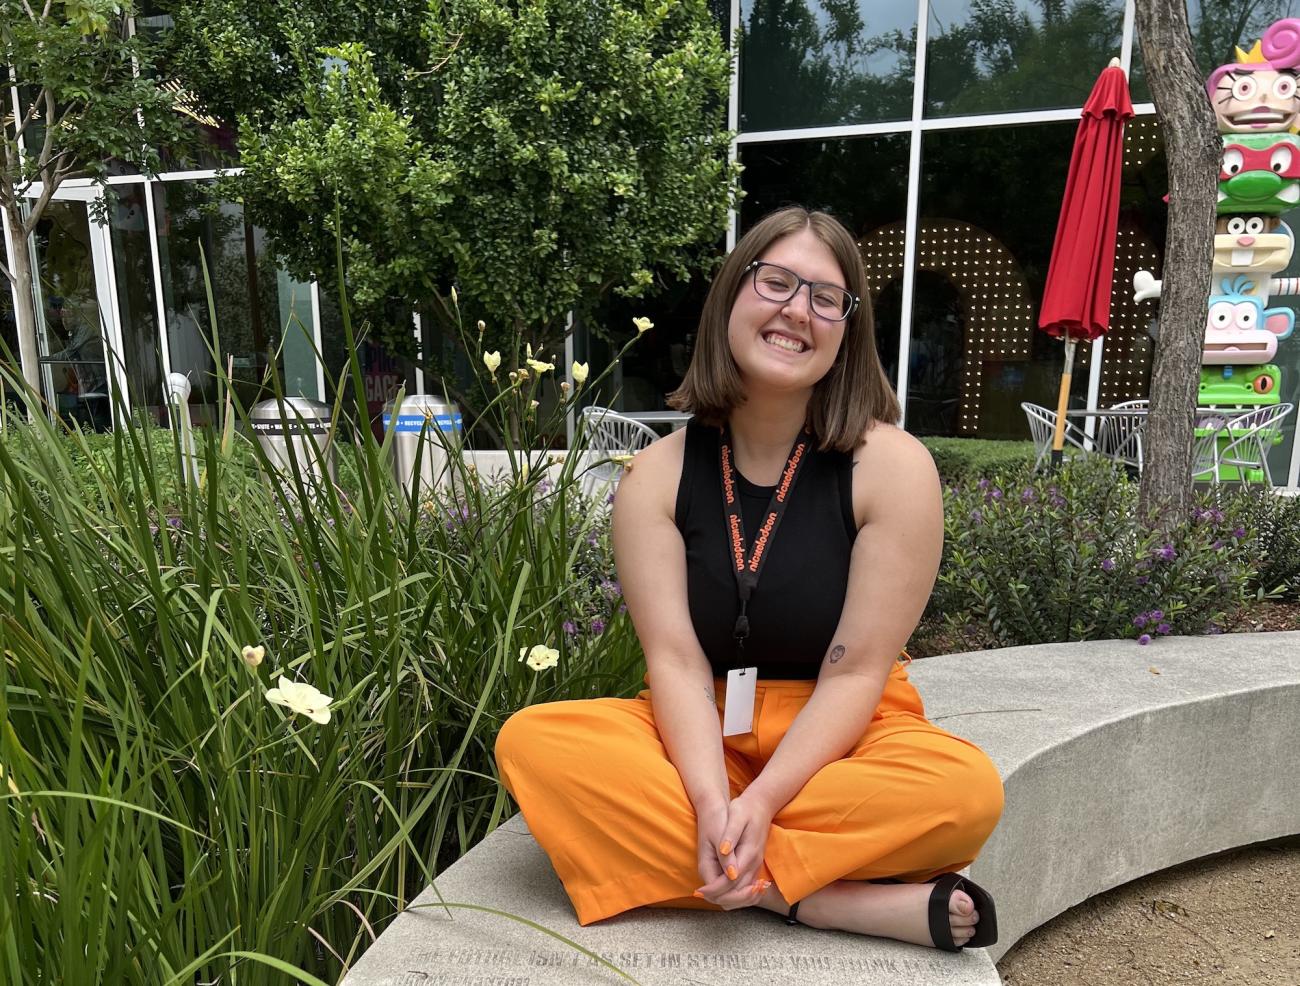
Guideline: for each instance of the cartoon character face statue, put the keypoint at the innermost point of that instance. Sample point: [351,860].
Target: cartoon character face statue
[1262,101]
[1259,173]
[1251,244]
[1239,331]
[1257,92]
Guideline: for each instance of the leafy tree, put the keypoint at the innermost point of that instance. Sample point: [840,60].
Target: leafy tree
[87,103]
[535,154]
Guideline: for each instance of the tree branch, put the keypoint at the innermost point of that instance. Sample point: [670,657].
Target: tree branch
[30,115]
[51,111]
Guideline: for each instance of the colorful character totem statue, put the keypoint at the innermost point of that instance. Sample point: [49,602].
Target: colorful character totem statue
[1256,101]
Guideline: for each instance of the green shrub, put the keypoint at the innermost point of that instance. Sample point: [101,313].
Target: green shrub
[1064,557]
[1275,524]
[960,459]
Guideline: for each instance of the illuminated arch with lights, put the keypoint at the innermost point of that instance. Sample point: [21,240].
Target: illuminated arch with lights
[999,315]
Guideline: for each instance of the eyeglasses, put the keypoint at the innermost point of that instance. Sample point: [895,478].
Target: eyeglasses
[776,283]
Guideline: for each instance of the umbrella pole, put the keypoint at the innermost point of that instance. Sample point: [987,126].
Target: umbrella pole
[1062,402]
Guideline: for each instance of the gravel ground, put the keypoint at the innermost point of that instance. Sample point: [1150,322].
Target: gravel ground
[1227,920]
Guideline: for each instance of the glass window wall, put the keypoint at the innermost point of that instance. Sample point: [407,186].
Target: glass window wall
[655,366]
[71,325]
[809,63]
[1218,27]
[1288,361]
[128,223]
[1139,245]
[990,199]
[1017,55]
[249,294]
[8,326]
[863,182]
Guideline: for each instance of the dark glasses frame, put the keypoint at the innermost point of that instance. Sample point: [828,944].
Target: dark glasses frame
[799,282]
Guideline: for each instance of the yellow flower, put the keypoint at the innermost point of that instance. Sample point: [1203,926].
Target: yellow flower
[300,697]
[564,388]
[539,367]
[492,361]
[643,325]
[482,326]
[579,372]
[455,299]
[540,657]
[253,655]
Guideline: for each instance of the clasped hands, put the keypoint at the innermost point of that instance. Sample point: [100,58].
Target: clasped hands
[731,839]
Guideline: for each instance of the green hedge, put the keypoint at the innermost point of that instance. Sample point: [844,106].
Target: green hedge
[960,459]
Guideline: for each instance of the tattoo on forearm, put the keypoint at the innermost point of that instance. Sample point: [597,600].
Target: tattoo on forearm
[708,693]
[836,653]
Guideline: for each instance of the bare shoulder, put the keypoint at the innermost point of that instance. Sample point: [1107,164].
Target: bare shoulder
[650,480]
[892,470]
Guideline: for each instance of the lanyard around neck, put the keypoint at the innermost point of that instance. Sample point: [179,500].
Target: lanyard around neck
[748,566]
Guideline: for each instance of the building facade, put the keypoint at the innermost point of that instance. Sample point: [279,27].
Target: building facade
[939,131]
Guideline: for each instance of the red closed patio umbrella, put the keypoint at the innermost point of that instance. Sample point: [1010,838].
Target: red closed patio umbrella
[1076,301]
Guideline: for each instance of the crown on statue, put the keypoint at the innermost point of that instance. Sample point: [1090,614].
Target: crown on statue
[1254,56]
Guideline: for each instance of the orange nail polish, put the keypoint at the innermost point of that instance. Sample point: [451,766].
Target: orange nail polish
[725,848]
[731,873]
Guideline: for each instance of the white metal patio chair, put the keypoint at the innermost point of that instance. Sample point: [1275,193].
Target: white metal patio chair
[1240,441]
[1042,429]
[610,434]
[1119,436]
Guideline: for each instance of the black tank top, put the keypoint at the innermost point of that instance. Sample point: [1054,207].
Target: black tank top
[796,606]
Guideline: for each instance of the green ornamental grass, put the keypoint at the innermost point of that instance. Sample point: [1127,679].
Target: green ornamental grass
[244,722]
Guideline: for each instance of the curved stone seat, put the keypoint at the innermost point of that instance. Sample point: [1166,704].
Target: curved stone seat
[1118,761]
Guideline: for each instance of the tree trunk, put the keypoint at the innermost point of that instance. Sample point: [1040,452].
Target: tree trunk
[1193,150]
[20,265]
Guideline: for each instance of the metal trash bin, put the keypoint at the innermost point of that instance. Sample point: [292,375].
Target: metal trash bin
[299,429]
[423,420]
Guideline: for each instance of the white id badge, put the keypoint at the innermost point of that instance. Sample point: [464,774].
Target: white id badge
[738,703]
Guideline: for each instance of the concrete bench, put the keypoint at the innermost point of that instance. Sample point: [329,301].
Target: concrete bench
[1118,760]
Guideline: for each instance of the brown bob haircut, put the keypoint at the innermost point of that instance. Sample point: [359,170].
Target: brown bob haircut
[855,391]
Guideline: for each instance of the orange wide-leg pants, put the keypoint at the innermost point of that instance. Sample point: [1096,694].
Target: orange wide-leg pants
[602,798]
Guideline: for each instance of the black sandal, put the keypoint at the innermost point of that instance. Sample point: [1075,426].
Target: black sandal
[986,931]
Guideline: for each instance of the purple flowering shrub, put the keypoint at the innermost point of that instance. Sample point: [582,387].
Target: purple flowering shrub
[1064,556]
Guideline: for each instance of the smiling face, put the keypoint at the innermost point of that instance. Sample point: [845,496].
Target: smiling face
[1263,101]
[1255,244]
[786,345]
